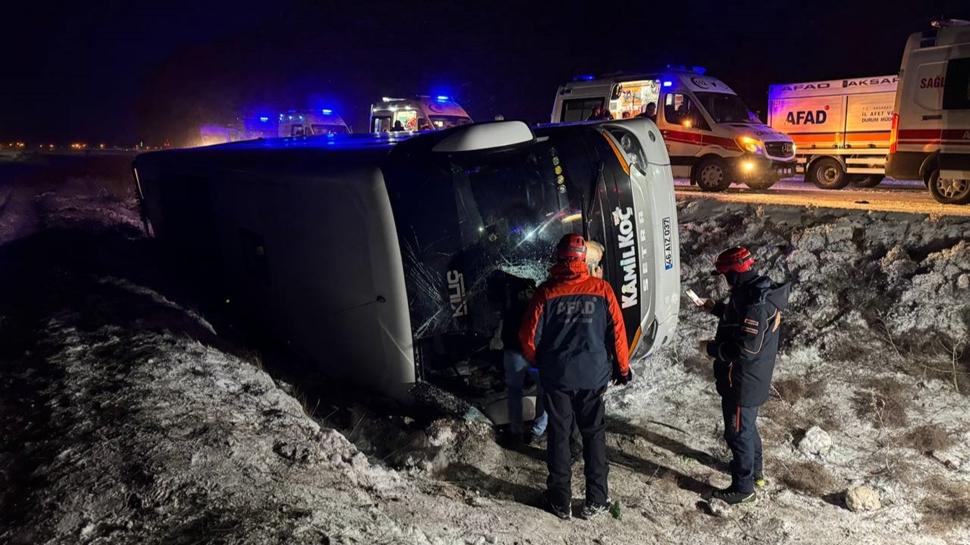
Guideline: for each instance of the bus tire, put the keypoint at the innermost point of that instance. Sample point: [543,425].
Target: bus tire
[949,191]
[865,180]
[710,174]
[827,173]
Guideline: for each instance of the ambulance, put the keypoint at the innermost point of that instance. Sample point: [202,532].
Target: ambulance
[312,123]
[419,113]
[711,136]
[840,127]
[931,124]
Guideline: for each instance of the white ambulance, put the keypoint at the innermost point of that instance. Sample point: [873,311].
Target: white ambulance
[711,136]
[840,127]
[931,125]
[420,113]
[311,123]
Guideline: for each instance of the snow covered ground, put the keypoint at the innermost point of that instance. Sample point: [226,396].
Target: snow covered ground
[127,417]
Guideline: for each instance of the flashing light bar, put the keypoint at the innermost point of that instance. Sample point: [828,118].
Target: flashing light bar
[668,83]
[442,98]
[584,77]
[326,111]
[263,118]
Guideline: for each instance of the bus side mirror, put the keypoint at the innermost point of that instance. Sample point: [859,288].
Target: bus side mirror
[485,136]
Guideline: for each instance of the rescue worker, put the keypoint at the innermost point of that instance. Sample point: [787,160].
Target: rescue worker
[570,329]
[511,294]
[744,350]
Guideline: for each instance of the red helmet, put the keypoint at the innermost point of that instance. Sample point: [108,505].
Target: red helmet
[737,259]
[571,247]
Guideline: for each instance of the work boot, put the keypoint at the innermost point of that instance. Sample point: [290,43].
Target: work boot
[533,438]
[564,512]
[592,510]
[733,497]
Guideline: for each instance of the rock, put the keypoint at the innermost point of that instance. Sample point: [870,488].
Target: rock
[963,281]
[816,442]
[862,498]
[718,508]
[948,459]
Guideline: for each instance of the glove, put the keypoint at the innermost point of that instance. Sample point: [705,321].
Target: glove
[496,344]
[623,380]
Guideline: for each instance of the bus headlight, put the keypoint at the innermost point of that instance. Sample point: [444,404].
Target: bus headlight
[750,145]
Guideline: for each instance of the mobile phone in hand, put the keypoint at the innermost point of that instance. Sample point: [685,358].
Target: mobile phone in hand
[695,298]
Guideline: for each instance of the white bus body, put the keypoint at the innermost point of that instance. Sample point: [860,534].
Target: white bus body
[312,123]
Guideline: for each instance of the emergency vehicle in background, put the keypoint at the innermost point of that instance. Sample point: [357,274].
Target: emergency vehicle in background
[840,127]
[312,123]
[931,124]
[711,136]
[419,113]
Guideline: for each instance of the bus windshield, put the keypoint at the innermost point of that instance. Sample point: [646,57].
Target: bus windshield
[726,108]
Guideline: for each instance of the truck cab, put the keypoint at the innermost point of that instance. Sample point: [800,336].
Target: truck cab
[930,136]
[312,123]
[419,113]
[711,136]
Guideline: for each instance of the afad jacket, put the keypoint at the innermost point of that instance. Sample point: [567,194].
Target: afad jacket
[571,329]
[746,342]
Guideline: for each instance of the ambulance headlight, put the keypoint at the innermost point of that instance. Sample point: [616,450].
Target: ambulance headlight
[751,145]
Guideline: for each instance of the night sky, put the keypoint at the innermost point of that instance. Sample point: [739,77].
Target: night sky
[120,72]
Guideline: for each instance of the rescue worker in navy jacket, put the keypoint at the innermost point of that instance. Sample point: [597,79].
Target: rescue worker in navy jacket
[570,330]
[744,351]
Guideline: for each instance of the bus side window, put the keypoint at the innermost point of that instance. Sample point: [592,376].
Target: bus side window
[296,130]
[956,90]
[680,110]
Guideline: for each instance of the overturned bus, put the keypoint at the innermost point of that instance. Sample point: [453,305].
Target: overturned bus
[371,254]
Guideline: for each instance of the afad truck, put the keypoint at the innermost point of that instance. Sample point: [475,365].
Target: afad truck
[711,135]
[931,125]
[841,127]
[312,123]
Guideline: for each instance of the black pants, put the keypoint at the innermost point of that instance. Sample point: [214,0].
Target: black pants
[741,434]
[590,414]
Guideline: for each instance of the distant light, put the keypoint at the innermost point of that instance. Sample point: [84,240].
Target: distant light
[289,117]
[326,111]
[698,70]
[668,83]
[443,98]
[263,118]
[585,77]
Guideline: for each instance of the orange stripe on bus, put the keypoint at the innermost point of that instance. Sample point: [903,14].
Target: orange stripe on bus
[623,163]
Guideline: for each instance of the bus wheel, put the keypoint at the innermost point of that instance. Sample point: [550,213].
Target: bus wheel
[710,174]
[865,180]
[827,173]
[949,190]
[763,183]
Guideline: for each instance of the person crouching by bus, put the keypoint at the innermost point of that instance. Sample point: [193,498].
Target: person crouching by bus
[570,328]
[511,294]
[744,350]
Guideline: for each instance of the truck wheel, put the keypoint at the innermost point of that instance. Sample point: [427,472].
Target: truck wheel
[949,190]
[827,173]
[763,183]
[865,180]
[710,174]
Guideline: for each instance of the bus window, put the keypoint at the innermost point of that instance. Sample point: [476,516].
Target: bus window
[445,121]
[579,109]
[296,130]
[328,129]
[680,110]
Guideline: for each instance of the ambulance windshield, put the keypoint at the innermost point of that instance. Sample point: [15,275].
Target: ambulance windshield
[726,108]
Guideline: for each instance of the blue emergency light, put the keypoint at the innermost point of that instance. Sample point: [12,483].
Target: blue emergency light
[668,83]
[263,118]
[326,111]
[443,98]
